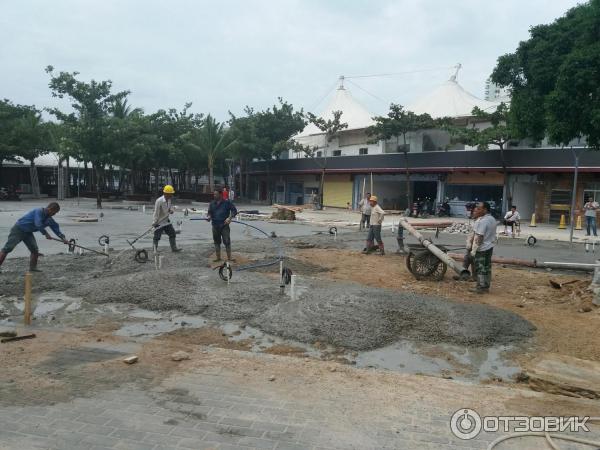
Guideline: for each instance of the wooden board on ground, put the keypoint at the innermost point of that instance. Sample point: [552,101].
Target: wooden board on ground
[289,208]
[564,375]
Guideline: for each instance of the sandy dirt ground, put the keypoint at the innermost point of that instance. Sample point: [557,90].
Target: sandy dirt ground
[566,320]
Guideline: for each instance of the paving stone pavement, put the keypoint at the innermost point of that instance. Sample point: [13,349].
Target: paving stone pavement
[204,408]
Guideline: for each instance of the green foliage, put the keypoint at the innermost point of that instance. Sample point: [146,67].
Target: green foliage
[331,127]
[554,78]
[399,122]
[22,131]
[499,132]
[210,139]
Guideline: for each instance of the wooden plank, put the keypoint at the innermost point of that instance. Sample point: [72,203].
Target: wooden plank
[564,375]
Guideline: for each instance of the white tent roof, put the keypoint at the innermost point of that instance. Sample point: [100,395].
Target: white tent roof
[353,113]
[47,160]
[450,100]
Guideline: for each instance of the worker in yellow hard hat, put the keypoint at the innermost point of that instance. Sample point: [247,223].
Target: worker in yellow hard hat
[377,215]
[163,208]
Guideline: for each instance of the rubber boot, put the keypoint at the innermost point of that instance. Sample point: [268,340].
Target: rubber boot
[33,260]
[368,246]
[400,250]
[173,244]
[482,285]
[218,252]
[228,250]
[381,249]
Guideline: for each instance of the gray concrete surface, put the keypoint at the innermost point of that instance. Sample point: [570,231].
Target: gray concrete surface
[122,224]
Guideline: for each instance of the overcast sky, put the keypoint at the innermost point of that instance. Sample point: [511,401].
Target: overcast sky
[227,54]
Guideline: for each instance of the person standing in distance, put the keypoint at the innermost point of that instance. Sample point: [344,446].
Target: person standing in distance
[163,208]
[220,213]
[365,210]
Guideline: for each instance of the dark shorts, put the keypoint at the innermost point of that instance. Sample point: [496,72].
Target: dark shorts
[483,262]
[168,230]
[221,233]
[16,236]
[375,234]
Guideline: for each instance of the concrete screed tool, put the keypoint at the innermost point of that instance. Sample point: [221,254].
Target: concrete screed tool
[72,246]
[226,272]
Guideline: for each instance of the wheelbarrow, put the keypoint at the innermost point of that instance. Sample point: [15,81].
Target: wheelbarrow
[423,264]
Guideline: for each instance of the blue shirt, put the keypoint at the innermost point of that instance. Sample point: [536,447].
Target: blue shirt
[221,211]
[37,220]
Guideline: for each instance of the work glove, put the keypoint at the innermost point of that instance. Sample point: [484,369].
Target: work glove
[474,252]
[64,239]
[155,225]
[48,236]
[227,221]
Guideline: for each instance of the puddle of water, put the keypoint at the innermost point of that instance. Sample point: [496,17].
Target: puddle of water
[401,357]
[157,327]
[261,341]
[441,359]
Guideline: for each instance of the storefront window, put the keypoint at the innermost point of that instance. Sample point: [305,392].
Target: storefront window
[591,190]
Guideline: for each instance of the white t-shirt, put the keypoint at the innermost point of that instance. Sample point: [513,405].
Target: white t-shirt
[162,209]
[377,215]
[365,207]
[512,217]
[590,209]
[486,226]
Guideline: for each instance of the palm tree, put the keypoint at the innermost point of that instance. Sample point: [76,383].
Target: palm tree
[213,140]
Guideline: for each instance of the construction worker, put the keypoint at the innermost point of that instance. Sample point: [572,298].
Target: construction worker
[483,246]
[377,215]
[163,208]
[400,240]
[365,211]
[220,213]
[22,231]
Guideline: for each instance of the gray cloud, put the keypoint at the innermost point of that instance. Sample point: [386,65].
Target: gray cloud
[224,55]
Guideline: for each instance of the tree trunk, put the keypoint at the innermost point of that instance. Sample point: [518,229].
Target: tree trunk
[99,178]
[211,180]
[247,181]
[68,180]
[241,188]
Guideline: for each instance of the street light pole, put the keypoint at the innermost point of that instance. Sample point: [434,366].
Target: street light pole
[574,194]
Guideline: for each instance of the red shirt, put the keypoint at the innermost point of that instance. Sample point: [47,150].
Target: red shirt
[225,194]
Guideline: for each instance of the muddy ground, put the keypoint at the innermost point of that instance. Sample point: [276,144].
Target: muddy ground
[340,312]
[351,308]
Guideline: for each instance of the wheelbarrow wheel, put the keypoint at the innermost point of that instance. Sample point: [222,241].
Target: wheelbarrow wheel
[409,261]
[427,266]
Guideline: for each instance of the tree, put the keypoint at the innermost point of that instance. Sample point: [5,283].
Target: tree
[400,122]
[245,148]
[265,134]
[212,140]
[331,128]
[553,79]
[500,132]
[92,103]
[10,114]
[31,138]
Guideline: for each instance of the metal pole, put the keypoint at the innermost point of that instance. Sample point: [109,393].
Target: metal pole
[573,195]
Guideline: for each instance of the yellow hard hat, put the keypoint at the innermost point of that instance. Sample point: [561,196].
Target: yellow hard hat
[168,189]
[373,198]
